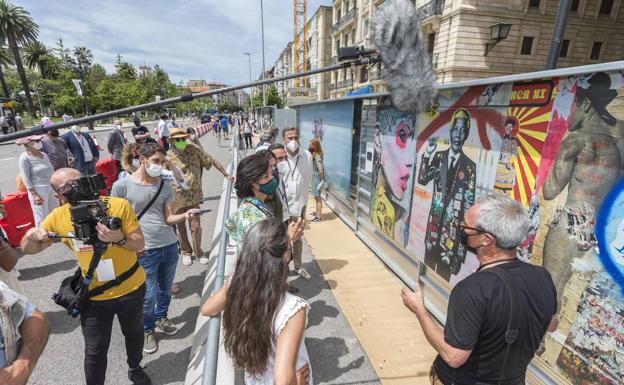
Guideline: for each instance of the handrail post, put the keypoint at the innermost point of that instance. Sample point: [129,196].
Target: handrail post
[214,323]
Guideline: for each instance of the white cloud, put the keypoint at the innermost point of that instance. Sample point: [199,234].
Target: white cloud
[190,39]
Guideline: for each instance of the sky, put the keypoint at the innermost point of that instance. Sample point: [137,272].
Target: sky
[190,39]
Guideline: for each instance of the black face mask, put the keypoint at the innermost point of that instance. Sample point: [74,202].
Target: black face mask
[464,242]
[275,173]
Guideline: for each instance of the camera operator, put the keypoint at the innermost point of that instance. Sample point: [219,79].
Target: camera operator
[124,299]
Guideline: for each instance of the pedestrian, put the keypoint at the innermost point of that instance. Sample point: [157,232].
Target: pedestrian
[247,133]
[296,173]
[65,117]
[279,151]
[224,126]
[270,349]
[46,122]
[193,137]
[140,132]
[318,177]
[172,122]
[19,122]
[55,148]
[266,140]
[36,170]
[152,199]
[497,316]
[116,142]
[10,121]
[190,159]
[163,131]
[124,300]
[4,124]
[25,332]
[255,183]
[83,149]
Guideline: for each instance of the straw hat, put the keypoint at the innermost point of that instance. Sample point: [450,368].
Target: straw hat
[176,133]
[32,138]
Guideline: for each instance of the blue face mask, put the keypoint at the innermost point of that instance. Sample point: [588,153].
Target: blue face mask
[269,187]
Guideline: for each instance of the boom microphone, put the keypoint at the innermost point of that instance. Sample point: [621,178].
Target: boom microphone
[407,66]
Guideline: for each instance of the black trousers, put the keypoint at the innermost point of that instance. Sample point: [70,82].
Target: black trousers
[97,324]
[248,141]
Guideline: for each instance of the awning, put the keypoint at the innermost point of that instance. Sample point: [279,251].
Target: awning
[361,91]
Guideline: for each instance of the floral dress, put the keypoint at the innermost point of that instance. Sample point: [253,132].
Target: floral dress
[250,212]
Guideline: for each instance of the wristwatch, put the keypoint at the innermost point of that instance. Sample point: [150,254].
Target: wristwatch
[121,242]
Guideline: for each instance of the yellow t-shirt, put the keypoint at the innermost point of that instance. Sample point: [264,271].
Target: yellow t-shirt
[59,222]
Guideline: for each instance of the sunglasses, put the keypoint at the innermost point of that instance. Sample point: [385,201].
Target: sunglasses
[464,227]
[180,140]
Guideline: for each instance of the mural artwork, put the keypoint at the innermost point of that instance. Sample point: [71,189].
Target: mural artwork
[393,172]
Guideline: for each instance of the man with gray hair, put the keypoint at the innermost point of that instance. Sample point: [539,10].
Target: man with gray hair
[496,317]
[116,142]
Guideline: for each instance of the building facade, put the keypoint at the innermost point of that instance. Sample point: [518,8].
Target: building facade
[455,33]
[238,98]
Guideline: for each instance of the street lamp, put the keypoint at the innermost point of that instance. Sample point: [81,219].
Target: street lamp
[498,32]
[249,57]
[263,62]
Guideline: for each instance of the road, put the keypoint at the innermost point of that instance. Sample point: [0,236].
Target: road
[61,362]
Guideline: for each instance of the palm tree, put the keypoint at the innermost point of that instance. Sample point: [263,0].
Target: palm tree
[6,59]
[34,56]
[18,27]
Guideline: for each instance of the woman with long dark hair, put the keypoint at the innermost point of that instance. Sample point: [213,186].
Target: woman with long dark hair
[254,184]
[263,322]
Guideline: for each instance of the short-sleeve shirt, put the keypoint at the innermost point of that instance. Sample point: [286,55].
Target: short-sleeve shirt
[477,318]
[190,161]
[250,212]
[156,232]
[59,222]
[57,152]
[316,158]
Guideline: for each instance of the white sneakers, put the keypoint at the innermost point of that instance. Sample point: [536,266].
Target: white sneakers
[187,260]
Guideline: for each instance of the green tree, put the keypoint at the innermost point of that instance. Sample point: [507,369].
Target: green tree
[64,54]
[126,71]
[272,96]
[36,56]
[6,59]
[18,27]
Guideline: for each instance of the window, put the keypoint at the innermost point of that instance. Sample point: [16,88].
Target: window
[575,5]
[565,45]
[534,3]
[346,40]
[365,27]
[363,75]
[338,15]
[595,52]
[431,42]
[605,7]
[527,45]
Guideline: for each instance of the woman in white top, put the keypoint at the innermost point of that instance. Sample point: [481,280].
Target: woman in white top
[262,322]
[36,171]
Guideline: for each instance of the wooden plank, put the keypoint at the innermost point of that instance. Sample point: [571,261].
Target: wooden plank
[369,297]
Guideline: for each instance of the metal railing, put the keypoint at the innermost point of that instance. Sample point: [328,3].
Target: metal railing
[345,83]
[344,19]
[214,323]
[432,8]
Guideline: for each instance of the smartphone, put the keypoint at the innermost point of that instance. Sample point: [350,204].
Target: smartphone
[202,211]
[303,211]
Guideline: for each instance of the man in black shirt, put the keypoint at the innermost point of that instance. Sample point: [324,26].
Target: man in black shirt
[472,347]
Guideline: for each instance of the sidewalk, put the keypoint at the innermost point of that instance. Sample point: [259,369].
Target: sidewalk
[369,296]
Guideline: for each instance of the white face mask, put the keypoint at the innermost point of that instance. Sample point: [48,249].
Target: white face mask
[136,163]
[38,146]
[119,127]
[75,129]
[282,168]
[293,146]
[153,170]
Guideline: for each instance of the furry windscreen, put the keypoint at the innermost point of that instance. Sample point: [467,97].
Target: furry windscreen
[407,66]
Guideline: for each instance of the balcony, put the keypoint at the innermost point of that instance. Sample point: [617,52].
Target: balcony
[345,83]
[344,20]
[432,8]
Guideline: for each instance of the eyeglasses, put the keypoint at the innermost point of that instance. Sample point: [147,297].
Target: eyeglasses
[64,189]
[464,227]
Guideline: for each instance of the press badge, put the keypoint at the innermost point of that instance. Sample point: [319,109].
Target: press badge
[105,270]
[78,245]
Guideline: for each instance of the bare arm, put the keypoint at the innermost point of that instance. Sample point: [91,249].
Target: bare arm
[134,239]
[453,356]
[8,256]
[174,219]
[563,168]
[177,173]
[554,323]
[35,331]
[216,303]
[35,241]
[220,167]
[288,341]
[320,168]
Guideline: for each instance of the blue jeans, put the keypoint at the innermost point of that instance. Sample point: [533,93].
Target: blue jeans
[160,266]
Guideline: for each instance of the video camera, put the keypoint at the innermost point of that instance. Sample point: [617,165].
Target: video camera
[86,214]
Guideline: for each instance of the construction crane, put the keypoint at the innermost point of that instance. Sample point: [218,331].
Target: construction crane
[300,44]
